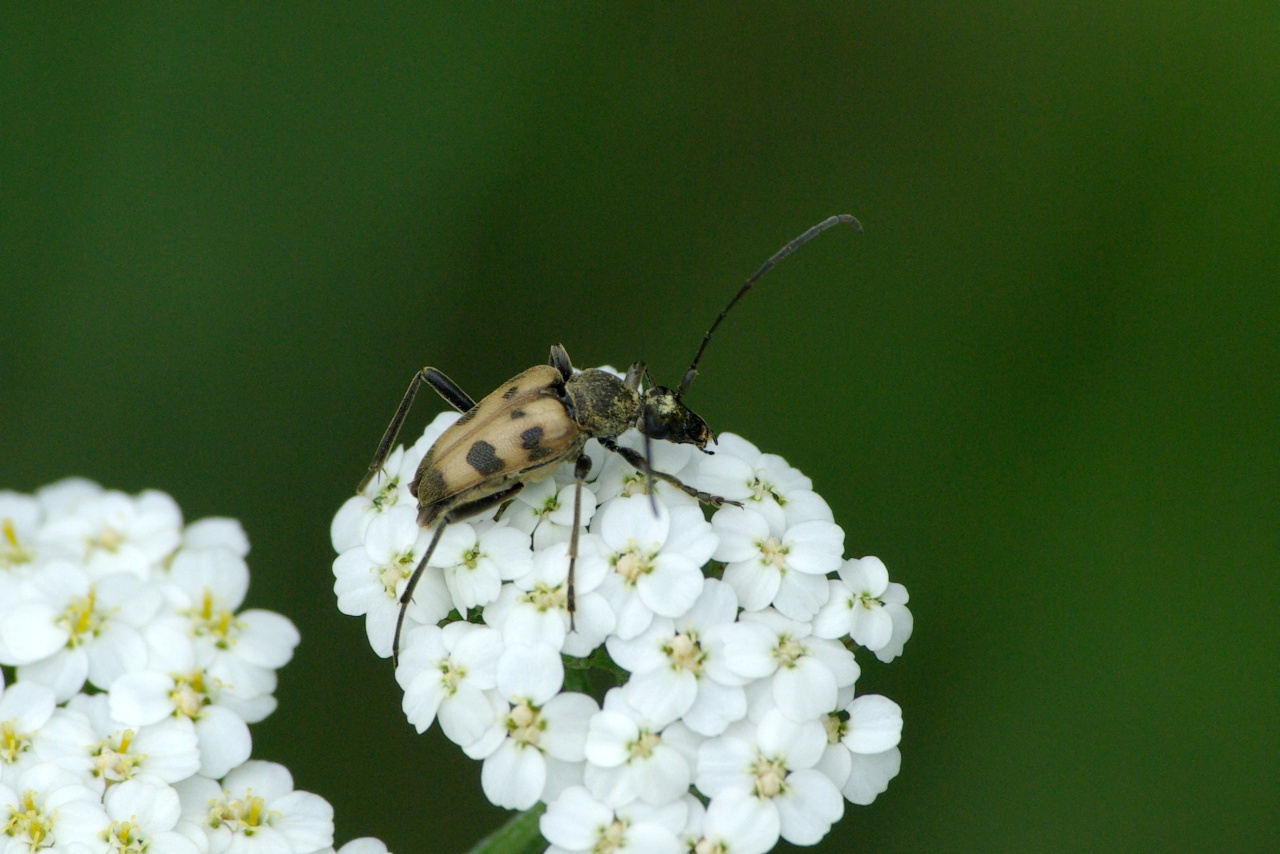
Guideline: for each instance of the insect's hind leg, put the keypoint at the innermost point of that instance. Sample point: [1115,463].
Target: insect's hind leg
[448,389]
[638,462]
[457,514]
[445,387]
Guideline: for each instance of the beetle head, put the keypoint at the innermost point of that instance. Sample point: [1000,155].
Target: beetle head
[663,416]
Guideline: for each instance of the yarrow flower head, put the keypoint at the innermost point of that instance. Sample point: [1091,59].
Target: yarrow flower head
[129,673]
[724,640]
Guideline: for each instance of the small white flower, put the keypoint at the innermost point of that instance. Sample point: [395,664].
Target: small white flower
[629,758]
[855,607]
[779,565]
[678,668]
[24,709]
[176,686]
[113,532]
[475,563]
[802,674]
[145,815]
[48,805]
[577,823]
[448,673]
[20,519]
[63,497]
[655,560]
[167,750]
[545,510]
[539,724]
[242,649]
[535,607]
[732,823]
[764,483]
[257,810]
[370,577]
[67,628]
[862,747]
[774,763]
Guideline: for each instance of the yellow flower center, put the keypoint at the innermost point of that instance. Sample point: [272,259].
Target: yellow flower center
[400,568]
[12,743]
[112,760]
[387,495]
[611,838]
[108,539]
[643,747]
[788,651]
[211,621]
[685,653]
[547,598]
[525,724]
[189,695]
[241,815]
[451,676]
[28,823]
[81,619]
[771,777]
[773,553]
[12,552]
[632,563]
[124,838]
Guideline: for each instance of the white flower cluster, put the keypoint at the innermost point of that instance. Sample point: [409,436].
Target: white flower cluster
[126,727]
[734,720]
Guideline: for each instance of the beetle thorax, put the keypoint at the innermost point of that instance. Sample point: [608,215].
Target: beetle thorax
[600,403]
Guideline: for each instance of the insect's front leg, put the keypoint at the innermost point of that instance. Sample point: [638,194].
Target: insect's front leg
[580,471]
[445,387]
[641,464]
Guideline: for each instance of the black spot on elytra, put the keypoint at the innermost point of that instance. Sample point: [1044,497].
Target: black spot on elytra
[483,458]
[531,438]
[511,392]
[531,441]
[468,415]
[517,414]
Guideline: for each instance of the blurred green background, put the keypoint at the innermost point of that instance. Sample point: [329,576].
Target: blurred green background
[1042,386]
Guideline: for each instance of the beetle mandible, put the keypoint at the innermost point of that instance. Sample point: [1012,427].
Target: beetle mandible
[542,417]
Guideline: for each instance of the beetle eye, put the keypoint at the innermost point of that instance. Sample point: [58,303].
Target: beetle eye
[656,423]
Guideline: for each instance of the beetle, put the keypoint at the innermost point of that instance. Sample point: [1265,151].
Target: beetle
[542,417]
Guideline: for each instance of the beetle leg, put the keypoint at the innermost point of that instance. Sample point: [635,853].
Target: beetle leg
[648,475]
[447,388]
[459,513]
[639,463]
[580,471]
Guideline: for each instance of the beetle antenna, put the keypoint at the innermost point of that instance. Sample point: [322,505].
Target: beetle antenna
[755,277]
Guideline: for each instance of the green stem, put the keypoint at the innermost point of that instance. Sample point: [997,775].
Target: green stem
[518,836]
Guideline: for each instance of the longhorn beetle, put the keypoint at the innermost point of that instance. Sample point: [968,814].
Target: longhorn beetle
[542,417]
